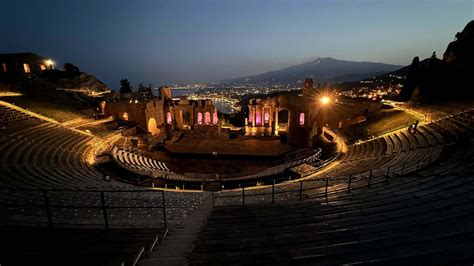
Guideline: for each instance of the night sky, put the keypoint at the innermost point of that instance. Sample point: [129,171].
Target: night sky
[162,42]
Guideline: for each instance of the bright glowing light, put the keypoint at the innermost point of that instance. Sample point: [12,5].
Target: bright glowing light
[49,62]
[325,100]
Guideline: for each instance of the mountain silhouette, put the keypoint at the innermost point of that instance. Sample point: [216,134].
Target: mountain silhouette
[320,69]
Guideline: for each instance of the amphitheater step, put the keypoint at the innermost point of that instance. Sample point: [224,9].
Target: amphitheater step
[181,241]
[165,261]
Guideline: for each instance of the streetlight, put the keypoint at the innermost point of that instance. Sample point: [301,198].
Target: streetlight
[50,63]
[325,100]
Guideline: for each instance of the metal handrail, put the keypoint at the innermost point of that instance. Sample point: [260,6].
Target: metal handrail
[350,178]
[103,203]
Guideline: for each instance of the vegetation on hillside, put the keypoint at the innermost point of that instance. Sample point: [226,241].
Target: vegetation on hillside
[61,108]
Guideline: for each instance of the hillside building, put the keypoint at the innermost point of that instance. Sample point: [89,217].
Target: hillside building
[17,66]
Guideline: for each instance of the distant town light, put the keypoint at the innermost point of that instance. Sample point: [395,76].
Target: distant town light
[49,62]
[325,100]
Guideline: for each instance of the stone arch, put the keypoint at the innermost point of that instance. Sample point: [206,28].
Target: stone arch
[282,120]
[169,118]
[102,107]
[283,116]
[199,120]
[215,118]
[152,128]
[302,119]
[186,117]
[207,118]
[266,116]
[258,118]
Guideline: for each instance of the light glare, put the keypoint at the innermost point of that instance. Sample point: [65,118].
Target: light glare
[325,100]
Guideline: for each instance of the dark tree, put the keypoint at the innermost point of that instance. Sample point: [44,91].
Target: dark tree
[125,86]
[433,55]
[414,63]
[70,68]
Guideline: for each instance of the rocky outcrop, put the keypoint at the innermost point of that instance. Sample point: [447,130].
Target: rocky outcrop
[450,78]
[85,83]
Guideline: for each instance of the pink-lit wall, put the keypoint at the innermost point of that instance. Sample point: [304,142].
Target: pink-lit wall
[200,118]
[302,119]
[258,119]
